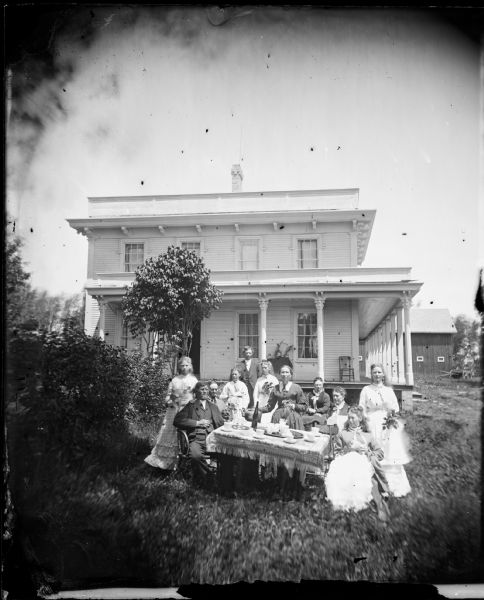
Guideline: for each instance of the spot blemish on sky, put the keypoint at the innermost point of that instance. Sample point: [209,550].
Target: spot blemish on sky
[338,148]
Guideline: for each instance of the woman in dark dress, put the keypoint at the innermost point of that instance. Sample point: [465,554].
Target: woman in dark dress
[289,399]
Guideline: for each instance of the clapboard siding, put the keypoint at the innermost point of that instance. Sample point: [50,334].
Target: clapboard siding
[219,253]
[277,252]
[158,245]
[107,255]
[218,345]
[337,336]
[336,250]
[110,319]
[92,316]
[279,328]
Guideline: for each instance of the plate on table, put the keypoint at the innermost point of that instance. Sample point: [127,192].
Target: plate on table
[296,434]
[290,440]
[241,427]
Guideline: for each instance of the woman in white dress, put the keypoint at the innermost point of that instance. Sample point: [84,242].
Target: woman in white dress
[235,395]
[353,477]
[180,391]
[263,388]
[378,400]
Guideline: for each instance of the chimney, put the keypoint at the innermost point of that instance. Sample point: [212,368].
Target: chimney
[237,177]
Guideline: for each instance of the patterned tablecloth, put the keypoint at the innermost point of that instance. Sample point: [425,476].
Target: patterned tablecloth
[271,451]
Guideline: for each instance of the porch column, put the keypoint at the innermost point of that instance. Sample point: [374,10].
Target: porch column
[319,302]
[393,347]
[386,346]
[102,316]
[380,344]
[400,356]
[263,303]
[407,303]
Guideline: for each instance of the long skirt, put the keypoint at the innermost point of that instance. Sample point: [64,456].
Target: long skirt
[395,445]
[349,482]
[294,420]
[165,451]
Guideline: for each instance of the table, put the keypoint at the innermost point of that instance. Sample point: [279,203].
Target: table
[271,451]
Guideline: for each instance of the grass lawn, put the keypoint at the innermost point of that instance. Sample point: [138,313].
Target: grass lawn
[128,523]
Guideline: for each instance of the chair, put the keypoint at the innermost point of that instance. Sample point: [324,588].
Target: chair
[346,368]
[183,446]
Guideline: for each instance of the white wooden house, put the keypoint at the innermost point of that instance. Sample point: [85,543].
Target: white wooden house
[289,264]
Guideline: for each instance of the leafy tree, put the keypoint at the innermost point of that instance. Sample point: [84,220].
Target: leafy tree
[171,294]
[16,279]
[466,342]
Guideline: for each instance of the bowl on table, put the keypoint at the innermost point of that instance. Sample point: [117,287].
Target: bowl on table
[227,426]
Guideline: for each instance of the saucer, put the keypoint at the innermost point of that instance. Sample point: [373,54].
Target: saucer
[290,440]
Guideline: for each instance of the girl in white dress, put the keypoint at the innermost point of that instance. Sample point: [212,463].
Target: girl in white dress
[180,391]
[235,395]
[263,388]
[378,400]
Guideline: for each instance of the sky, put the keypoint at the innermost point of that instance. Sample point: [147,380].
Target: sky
[121,100]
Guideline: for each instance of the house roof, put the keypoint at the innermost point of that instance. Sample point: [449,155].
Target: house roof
[431,320]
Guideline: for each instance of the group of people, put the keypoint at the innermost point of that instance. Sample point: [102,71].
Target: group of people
[370,445]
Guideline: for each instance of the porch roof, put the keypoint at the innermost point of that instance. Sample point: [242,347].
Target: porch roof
[377,290]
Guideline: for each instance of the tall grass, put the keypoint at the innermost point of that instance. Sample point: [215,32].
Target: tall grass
[119,520]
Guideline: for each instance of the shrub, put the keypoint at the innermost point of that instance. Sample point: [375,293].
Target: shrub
[149,382]
[85,392]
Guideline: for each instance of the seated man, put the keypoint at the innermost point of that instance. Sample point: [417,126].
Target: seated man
[198,419]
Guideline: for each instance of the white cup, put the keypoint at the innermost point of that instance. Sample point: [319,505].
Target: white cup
[314,430]
[310,436]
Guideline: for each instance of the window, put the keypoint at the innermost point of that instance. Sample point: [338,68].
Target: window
[248,332]
[307,254]
[249,254]
[420,359]
[307,339]
[193,246]
[440,358]
[133,256]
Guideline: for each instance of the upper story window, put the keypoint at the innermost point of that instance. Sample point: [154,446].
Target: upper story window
[133,256]
[307,337]
[193,246]
[307,254]
[249,254]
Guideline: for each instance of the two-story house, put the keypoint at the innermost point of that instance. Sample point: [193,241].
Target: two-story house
[289,264]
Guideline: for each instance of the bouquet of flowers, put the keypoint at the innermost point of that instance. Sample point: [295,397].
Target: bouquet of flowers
[267,387]
[391,420]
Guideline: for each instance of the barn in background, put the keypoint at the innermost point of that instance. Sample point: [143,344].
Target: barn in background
[432,337]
